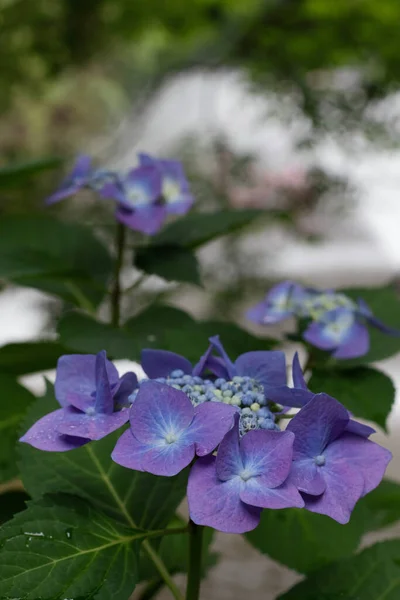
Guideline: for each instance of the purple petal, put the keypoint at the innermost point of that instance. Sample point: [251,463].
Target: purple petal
[229,461]
[217,503]
[268,368]
[76,375]
[344,487]
[368,458]
[212,420]
[211,363]
[359,429]
[160,411]
[307,477]
[257,493]
[216,343]
[146,182]
[180,206]
[317,425]
[80,401]
[44,434]
[128,452]
[63,193]
[297,374]
[161,363]
[127,384]
[92,427]
[318,335]
[356,342]
[256,313]
[82,166]
[165,460]
[104,399]
[382,327]
[146,219]
[112,190]
[290,397]
[268,454]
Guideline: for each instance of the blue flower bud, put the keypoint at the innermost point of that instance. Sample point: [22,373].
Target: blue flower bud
[177,373]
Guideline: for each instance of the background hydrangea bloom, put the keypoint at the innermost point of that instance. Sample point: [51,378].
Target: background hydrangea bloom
[279,304]
[332,467]
[78,178]
[228,491]
[93,399]
[167,431]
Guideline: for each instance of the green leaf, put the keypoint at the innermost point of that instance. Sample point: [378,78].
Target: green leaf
[61,547]
[366,392]
[12,503]
[174,551]
[385,305]
[30,357]
[383,504]
[137,499]
[14,402]
[171,262]
[60,258]
[374,574]
[82,333]
[305,541]
[17,174]
[196,229]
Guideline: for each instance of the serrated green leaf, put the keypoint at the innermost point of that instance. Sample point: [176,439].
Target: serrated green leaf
[374,574]
[385,305]
[14,402]
[61,546]
[59,258]
[196,229]
[305,541]
[364,391]
[171,262]
[30,357]
[137,499]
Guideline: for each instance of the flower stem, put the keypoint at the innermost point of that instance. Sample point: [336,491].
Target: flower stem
[116,291]
[195,561]
[162,569]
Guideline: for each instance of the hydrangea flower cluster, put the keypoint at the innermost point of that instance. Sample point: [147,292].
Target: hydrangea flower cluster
[196,416]
[334,321]
[145,196]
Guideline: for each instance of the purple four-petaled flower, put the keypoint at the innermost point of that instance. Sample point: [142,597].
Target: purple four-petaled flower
[228,491]
[94,401]
[332,467]
[78,178]
[279,304]
[167,431]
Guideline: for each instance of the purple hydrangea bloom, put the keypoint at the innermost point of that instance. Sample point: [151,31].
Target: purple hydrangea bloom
[332,467]
[167,431]
[299,395]
[228,491]
[94,401]
[77,179]
[149,193]
[279,304]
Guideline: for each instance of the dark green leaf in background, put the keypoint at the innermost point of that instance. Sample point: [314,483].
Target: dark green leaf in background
[18,174]
[383,504]
[374,574]
[196,229]
[30,357]
[11,503]
[61,547]
[56,257]
[14,402]
[366,392]
[171,262]
[305,541]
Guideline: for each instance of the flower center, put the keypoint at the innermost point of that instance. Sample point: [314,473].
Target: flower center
[170,190]
[90,411]
[246,474]
[171,438]
[320,460]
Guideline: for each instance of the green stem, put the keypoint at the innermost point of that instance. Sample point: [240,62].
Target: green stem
[195,561]
[162,569]
[151,589]
[116,291]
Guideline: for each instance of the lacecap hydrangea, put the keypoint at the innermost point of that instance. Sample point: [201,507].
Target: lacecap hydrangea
[220,419]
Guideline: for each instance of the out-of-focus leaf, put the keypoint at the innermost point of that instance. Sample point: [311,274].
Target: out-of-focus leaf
[30,357]
[19,173]
[366,392]
[12,503]
[171,262]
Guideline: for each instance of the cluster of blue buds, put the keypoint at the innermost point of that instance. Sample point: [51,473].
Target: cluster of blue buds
[243,392]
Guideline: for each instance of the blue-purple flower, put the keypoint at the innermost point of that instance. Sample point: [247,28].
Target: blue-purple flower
[167,432]
[78,178]
[335,322]
[228,491]
[94,401]
[332,468]
[149,193]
